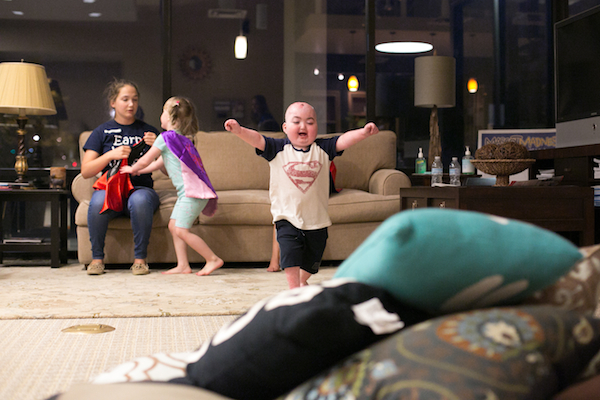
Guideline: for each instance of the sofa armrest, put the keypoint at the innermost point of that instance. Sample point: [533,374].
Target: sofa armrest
[82,188]
[388,182]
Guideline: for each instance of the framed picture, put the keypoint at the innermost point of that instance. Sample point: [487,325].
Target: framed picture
[533,139]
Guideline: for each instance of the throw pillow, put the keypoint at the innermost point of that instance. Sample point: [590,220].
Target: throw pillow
[499,353]
[443,260]
[579,289]
[284,340]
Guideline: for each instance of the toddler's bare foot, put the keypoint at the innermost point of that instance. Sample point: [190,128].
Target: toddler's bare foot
[178,270]
[210,266]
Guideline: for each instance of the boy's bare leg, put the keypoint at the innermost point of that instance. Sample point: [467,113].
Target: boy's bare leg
[293,277]
[274,264]
[304,277]
[183,265]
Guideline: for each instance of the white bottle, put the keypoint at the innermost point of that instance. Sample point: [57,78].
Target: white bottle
[420,163]
[467,166]
[454,172]
[437,171]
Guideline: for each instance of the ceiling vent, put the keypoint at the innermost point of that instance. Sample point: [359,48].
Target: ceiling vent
[227,13]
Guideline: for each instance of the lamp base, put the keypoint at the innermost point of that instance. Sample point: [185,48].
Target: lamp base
[435,140]
[21,160]
[21,168]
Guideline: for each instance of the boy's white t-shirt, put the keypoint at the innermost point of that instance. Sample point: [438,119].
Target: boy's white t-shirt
[299,181]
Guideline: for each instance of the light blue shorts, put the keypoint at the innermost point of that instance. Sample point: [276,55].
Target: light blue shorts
[186,210]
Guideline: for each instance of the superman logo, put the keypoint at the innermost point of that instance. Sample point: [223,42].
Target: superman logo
[302,174]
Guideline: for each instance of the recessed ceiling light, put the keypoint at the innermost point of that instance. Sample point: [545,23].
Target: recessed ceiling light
[404,47]
[95,14]
[89,1]
[18,13]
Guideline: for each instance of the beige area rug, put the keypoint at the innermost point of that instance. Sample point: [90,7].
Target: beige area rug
[38,360]
[68,292]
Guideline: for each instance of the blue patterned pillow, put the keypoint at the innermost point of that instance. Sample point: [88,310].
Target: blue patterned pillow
[443,260]
[514,353]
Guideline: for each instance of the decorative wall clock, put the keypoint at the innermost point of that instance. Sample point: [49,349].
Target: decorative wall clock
[195,64]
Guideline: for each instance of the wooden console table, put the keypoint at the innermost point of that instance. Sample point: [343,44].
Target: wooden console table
[57,247]
[557,208]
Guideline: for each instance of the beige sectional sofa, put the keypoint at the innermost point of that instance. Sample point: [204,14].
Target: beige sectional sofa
[242,229]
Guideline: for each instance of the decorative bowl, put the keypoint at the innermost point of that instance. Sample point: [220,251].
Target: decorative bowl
[502,168]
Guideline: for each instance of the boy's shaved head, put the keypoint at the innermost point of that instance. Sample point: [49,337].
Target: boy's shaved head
[296,107]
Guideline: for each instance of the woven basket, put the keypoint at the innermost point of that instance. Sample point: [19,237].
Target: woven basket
[502,168]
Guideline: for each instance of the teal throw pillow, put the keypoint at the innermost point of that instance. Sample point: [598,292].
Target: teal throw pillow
[443,260]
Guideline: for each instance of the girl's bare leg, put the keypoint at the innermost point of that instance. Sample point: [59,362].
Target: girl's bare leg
[183,264]
[274,264]
[195,242]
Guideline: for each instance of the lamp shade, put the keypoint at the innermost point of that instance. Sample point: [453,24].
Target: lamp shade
[435,82]
[24,89]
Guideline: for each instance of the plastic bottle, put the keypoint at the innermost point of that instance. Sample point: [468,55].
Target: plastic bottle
[420,163]
[467,167]
[454,172]
[437,171]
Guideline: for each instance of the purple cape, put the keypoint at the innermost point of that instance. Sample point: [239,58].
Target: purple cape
[195,179]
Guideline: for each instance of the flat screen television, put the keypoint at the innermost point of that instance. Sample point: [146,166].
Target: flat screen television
[577,79]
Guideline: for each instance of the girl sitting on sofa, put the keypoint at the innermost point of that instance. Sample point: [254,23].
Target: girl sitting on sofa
[176,153]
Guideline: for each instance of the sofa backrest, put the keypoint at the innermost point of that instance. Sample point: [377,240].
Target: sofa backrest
[356,165]
[233,164]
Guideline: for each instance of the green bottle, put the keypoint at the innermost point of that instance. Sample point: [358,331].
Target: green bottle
[420,163]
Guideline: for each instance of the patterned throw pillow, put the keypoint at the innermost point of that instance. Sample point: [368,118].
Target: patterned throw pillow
[443,260]
[288,338]
[579,289]
[528,352]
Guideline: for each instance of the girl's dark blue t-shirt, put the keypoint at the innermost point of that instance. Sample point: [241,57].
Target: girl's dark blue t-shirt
[111,134]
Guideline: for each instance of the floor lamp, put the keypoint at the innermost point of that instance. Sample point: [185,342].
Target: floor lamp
[24,90]
[435,87]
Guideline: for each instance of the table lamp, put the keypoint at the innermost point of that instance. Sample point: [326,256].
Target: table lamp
[24,90]
[435,87]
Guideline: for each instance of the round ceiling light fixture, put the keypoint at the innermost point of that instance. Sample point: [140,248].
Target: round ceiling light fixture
[404,47]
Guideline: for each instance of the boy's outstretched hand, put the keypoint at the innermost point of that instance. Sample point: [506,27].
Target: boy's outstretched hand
[232,125]
[371,129]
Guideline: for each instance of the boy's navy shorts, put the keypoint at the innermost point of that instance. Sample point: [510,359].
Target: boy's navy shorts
[299,248]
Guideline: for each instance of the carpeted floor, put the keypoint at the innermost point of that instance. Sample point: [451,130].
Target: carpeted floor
[38,360]
[68,292]
[156,313]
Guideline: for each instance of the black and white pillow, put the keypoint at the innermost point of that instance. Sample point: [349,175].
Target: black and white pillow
[286,339]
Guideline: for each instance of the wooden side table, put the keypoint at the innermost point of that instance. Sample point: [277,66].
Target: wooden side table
[57,247]
[557,208]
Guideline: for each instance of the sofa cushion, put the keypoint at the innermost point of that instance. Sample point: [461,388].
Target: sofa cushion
[500,353]
[241,207]
[351,206]
[444,260]
[288,338]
